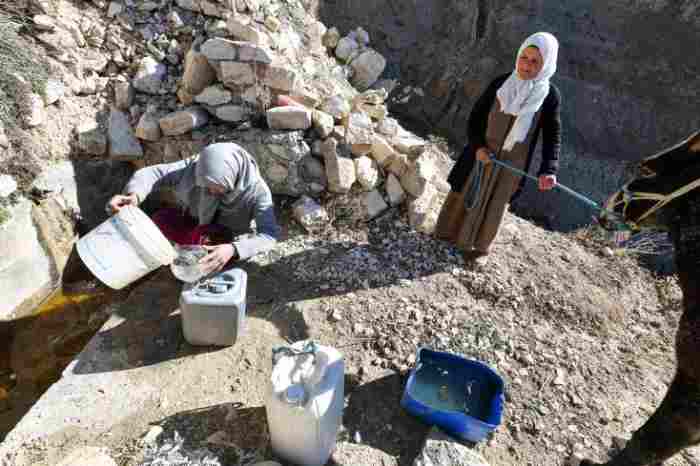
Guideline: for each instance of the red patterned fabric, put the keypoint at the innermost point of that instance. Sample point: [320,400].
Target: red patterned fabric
[183,229]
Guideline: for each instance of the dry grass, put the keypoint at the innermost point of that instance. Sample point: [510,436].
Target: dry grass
[16,59]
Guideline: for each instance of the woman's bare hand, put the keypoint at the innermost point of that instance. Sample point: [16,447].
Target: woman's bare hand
[547,182]
[119,201]
[483,155]
[217,258]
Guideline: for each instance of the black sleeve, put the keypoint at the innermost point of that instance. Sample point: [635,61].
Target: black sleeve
[551,133]
[479,116]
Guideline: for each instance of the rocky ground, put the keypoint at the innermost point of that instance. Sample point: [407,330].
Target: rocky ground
[582,338]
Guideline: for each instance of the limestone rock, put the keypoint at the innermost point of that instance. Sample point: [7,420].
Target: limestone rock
[209,8]
[198,73]
[148,128]
[8,185]
[58,40]
[310,214]
[252,53]
[54,91]
[150,76]
[115,9]
[323,123]
[346,48]
[191,5]
[220,49]
[410,145]
[418,175]
[183,121]
[90,139]
[4,141]
[360,149]
[394,190]
[314,172]
[374,204]
[359,129]
[289,117]
[368,66]
[423,211]
[337,107]
[367,172]
[123,144]
[33,110]
[123,95]
[280,77]
[439,449]
[382,151]
[331,38]
[237,74]
[339,170]
[314,35]
[388,127]
[174,20]
[44,22]
[88,456]
[399,165]
[360,36]
[241,27]
[214,95]
[272,23]
[232,113]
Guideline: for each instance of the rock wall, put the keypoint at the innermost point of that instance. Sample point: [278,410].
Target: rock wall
[629,87]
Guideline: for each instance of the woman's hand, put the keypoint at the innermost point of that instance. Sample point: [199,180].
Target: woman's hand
[217,258]
[119,201]
[482,155]
[547,182]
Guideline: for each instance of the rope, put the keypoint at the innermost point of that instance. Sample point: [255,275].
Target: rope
[471,197]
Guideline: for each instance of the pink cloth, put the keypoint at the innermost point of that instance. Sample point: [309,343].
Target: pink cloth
[179,227]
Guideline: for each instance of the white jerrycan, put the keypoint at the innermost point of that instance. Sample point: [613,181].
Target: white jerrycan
[304,402]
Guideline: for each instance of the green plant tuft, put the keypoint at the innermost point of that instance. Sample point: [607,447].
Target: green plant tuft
[17,59]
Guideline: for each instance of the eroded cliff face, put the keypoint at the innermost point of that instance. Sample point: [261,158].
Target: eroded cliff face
[629,72]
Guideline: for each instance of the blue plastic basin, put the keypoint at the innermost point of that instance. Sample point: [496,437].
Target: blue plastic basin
[461,396]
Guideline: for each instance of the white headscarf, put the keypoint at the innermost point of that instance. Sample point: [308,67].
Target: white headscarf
[524,98]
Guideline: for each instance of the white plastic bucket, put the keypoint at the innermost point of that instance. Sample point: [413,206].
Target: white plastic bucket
[124,248]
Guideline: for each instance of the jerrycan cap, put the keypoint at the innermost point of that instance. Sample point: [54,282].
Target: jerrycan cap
[295,394]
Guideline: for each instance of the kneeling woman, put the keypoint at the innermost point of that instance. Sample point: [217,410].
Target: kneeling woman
[220,192]
[506,121]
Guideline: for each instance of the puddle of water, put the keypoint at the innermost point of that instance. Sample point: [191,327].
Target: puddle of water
[445,390]
[35,350]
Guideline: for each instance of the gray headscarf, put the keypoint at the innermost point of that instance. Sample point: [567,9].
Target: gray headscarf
[224,164]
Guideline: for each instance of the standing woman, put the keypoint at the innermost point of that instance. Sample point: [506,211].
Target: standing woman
[506,121]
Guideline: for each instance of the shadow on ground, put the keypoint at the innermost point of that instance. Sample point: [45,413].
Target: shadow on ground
[374,410]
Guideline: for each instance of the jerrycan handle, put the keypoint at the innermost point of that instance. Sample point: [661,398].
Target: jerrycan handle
[279,351]
[213,286]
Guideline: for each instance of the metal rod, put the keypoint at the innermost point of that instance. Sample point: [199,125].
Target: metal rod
[566,189]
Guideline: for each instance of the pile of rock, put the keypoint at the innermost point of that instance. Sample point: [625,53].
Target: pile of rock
[263,73]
